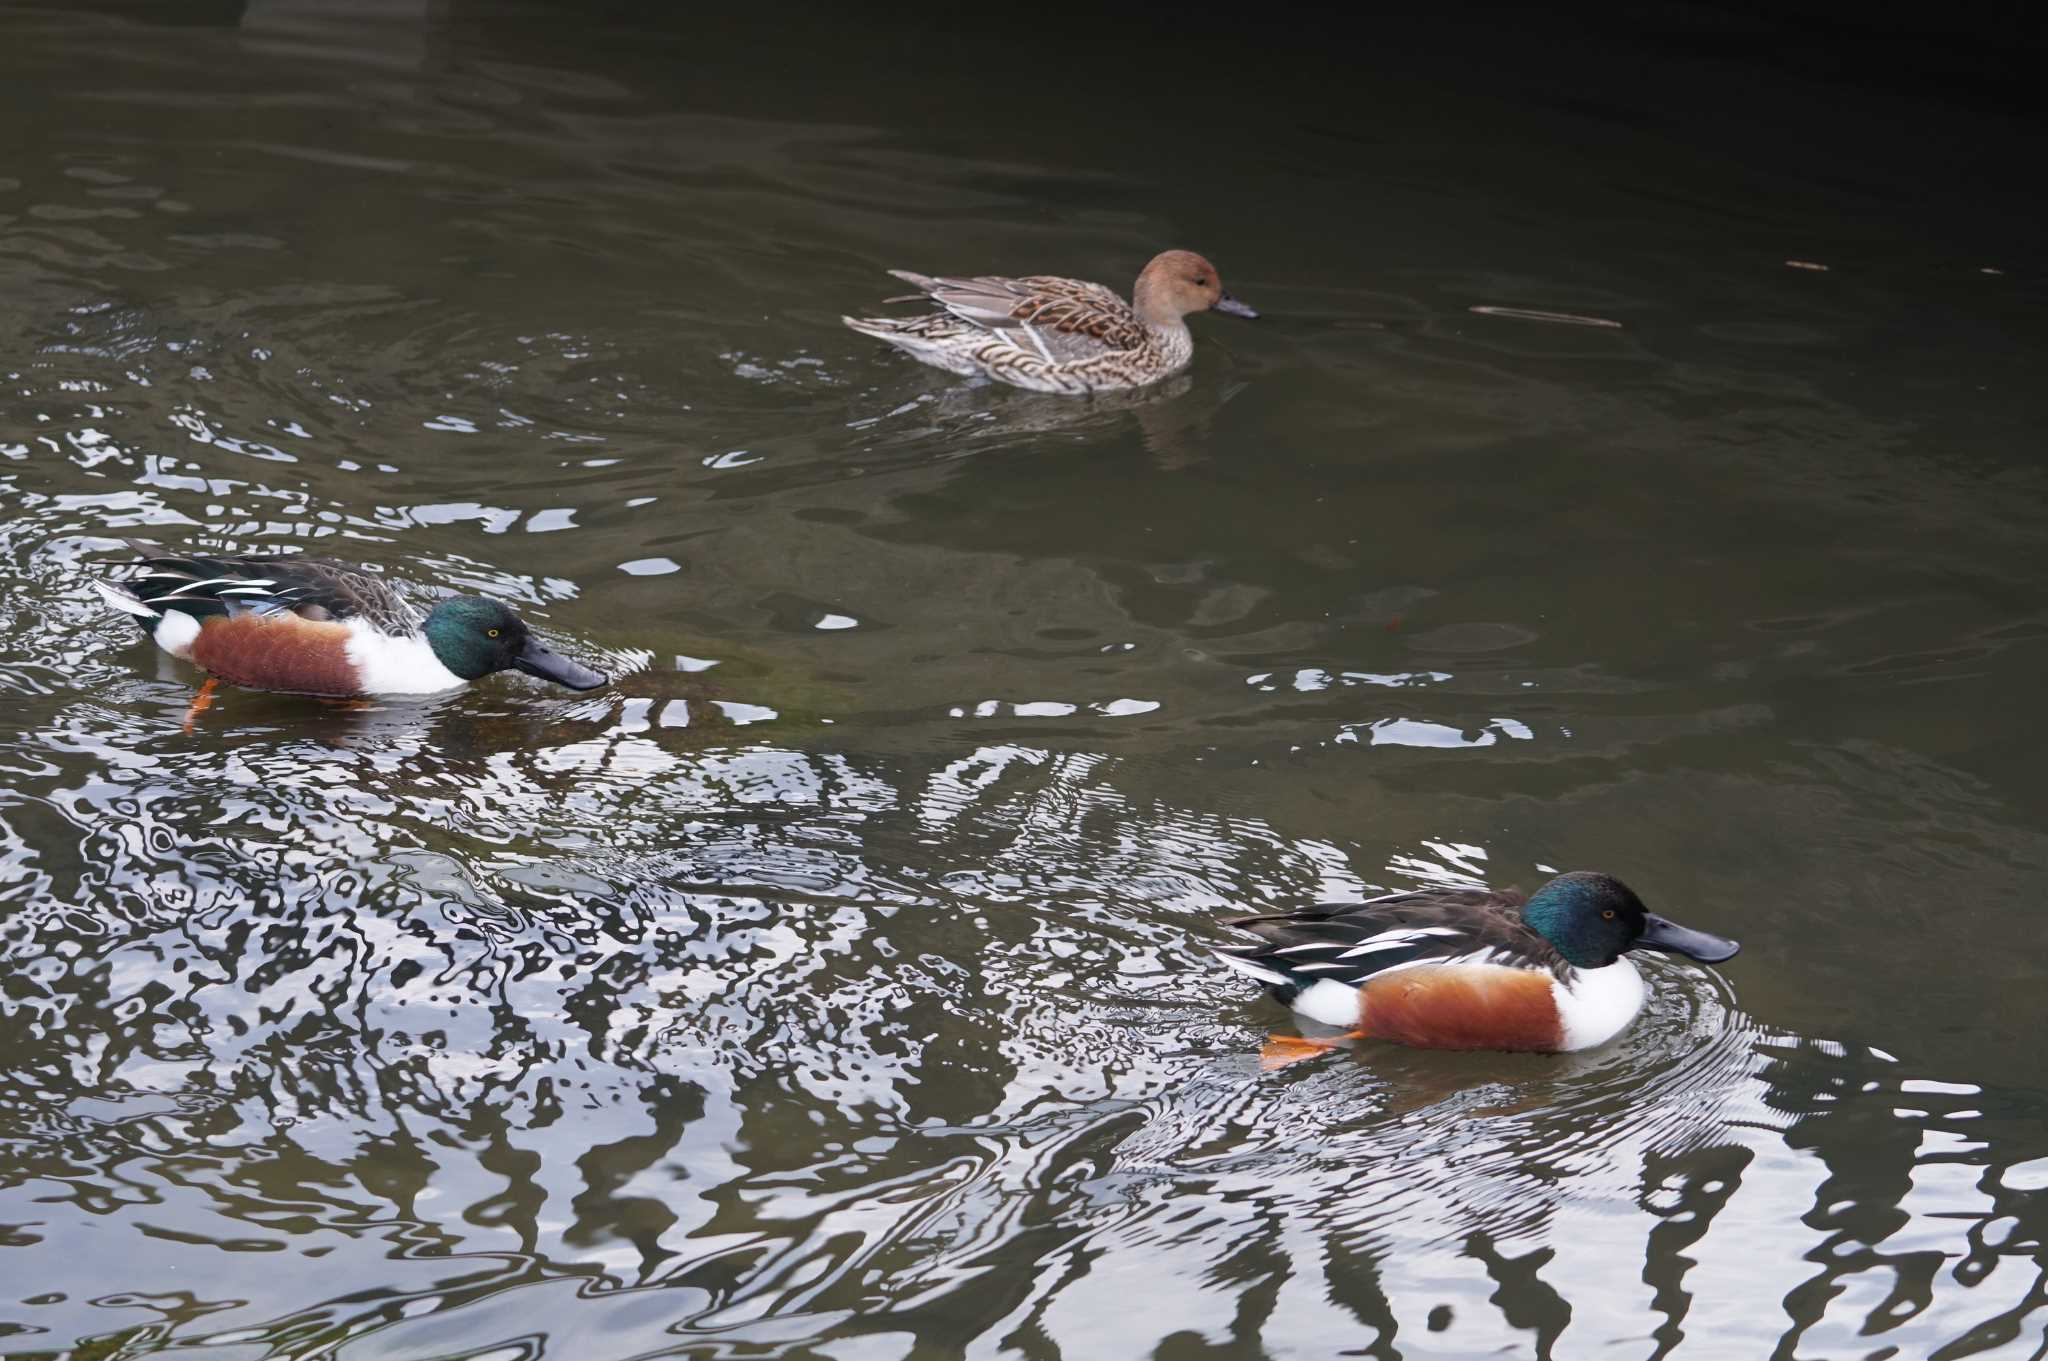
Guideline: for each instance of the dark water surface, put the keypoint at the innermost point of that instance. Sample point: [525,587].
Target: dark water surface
[834,985]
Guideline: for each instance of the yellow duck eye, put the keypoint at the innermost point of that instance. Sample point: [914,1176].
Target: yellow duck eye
[1608,914]
[494,633]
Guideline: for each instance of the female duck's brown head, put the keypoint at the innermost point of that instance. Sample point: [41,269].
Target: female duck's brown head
[1178,282]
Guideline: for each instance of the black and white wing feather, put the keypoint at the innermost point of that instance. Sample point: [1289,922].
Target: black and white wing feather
[202,586]
[1352,943]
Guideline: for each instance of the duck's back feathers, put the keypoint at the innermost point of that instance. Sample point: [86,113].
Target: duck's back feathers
[216,587]
[1353,943]
[1063,321]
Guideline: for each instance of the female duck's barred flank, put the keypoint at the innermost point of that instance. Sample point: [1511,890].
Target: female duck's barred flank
[1051,334]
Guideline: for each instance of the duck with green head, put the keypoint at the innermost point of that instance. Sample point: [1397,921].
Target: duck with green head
[1466,968]
[308,626]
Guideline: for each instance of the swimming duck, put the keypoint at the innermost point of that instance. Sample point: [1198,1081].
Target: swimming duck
[309,626]
[1462,968]
[1050,334]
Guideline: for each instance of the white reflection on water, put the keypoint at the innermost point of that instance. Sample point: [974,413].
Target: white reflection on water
[680,1048]
[1417,732]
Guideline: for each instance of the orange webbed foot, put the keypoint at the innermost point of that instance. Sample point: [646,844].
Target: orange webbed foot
[201,702]
[1282,1050]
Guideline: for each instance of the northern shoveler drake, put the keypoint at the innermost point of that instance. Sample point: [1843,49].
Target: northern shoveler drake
[308,626]
[1460,968]
[1050,334]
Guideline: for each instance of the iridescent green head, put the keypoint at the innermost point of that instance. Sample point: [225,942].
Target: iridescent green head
[475,636]
[1592,919]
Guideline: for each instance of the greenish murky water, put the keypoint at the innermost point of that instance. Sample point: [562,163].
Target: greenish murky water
[834,985]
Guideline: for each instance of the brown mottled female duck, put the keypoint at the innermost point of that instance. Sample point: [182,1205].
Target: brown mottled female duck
[1051,334]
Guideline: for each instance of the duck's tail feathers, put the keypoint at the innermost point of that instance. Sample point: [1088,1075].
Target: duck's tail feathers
[125,601]
[881,328]
[1252,968]
[934,338]
[924,283]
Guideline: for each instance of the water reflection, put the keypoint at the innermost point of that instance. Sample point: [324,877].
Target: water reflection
[588,1036]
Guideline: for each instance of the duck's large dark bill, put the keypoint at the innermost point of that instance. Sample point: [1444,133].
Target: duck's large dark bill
[1226,303]
[548,664]
[1660,933]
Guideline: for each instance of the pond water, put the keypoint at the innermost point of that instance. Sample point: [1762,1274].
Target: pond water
[835,984]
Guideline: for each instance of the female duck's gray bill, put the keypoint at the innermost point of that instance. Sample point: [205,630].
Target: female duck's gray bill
[536,660]
[1226,303]
[1660,933]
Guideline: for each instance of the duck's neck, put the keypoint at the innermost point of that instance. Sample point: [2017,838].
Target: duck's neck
[1153,308]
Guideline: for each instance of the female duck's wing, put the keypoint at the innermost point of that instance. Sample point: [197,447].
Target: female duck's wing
[1082,291]
[1351,943]
[311,587]
[1062,321]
